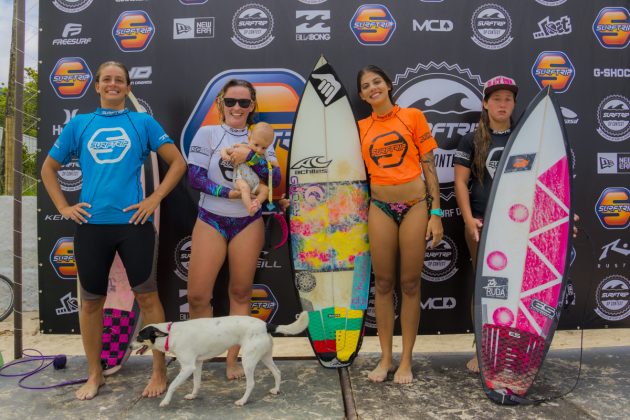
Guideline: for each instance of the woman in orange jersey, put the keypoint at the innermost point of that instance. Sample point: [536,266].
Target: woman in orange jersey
[404,211]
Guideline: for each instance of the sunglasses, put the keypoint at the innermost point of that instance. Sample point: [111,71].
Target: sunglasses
[243,103]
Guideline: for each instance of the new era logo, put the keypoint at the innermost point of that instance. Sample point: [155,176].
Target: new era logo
[188,28]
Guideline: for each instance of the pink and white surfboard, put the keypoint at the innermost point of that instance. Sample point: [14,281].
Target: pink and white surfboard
[523,256]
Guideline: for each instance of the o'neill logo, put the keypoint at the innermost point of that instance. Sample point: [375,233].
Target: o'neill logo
[311,165]
[450,98]
[253,27]
[613,116]
[491,26]
[440,262]
[613,298]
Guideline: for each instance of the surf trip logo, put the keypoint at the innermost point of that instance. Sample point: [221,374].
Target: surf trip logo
[388,150]
[62,258]
[491,27]
[613,117]
[72,6]
[613,208]
[612,27]
[553,68]
[109,145]
[450,98]
[312,25]
[373,25]
[252,25]
[613,298]
[440,262]
[133,31]
[70,78]
[264,304]
[70,176]
[278,93]
[181,256]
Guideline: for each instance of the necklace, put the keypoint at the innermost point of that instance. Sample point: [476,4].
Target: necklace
[506,131]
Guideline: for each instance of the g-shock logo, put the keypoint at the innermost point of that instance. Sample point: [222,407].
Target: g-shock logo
[109,145]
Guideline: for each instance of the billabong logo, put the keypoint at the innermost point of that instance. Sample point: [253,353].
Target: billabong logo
[264,304]
[62,258]
[549,28]
[69,305]
[450,97]
[613,163]
[495,287]
[553,68]
[613,298]
[612,27]
[72,6]
[133,31]
[313,25]
[252,25]
[440,262]
[613,208]
[109,145]
[265,262]
[613,117]
[373,25]
[181,256]
[70,78]
[491,27]
[278,95]
[70,176]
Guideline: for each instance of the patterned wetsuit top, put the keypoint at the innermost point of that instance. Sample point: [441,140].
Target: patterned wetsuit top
[111,147]
[392,145]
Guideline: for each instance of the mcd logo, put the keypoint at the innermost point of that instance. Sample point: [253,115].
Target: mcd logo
[62,258]
[388,150]
[264,304]
[133,31]
[612,27]
[553,68]
[373,24]
[70,78]
[613,208]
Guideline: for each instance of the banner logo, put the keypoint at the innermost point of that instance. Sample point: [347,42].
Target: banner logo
[491,27]
[278,92]
[551,2]
[613,117]
[553,68]
[373,25]
[613,298]
[133,31]
[252,25]
[69,305]
[520,163]
[450,98]
[614,248]
[141,75]
[62,258]
[613,208]
[70,78]
[613,163]
[433,25]
[440,262]
[109,145]
[612,27]
[549,28]
[388,150]
[313,25]
[192,2]
[312,1]
[570,117]
[495,287]
[264,304]
[182,257]
[439,303]
[69,36]
[190,28]
[72,6]
[70,176]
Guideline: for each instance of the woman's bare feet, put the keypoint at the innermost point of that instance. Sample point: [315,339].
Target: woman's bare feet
[380,372]
[89,390]
[234,371]
[403,375]
[473,365]
[156,385]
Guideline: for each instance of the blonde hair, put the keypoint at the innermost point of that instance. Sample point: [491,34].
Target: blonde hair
[233,83]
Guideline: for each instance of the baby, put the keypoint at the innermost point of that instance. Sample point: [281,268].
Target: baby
[245,179]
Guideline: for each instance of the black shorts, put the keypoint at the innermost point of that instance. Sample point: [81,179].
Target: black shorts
[95,247]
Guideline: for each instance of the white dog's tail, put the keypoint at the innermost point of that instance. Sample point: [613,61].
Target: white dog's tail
[292,329]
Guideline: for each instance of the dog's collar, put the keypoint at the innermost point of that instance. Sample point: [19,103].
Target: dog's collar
[168,330]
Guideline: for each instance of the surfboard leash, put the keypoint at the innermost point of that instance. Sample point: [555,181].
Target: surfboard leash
[58,361]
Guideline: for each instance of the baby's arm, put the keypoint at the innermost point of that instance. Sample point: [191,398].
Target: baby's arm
[226,152]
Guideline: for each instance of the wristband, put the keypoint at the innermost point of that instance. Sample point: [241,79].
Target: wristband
[437,212]
[254,160]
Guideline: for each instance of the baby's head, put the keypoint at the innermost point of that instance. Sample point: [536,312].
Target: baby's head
[261,138]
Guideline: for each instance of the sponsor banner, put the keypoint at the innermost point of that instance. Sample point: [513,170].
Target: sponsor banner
[613,163]
[613,208]
[373,25]
[613,298]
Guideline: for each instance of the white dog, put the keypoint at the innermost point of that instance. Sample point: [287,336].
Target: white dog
[196,340]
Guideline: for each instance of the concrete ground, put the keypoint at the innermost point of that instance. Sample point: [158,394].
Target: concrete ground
[443,389]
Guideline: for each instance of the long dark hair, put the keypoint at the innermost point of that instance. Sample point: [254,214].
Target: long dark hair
[233,83]
[116,64]
[371,68]
[481,142]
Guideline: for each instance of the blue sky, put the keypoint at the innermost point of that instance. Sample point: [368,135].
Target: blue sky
[30,55]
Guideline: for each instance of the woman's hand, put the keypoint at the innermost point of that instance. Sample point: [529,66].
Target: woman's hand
[144,209]
[239,154]
[435,230]
[473,228]
[576,219]
[77,213]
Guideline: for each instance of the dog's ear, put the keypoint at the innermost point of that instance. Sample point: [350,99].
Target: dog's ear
[150,333]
